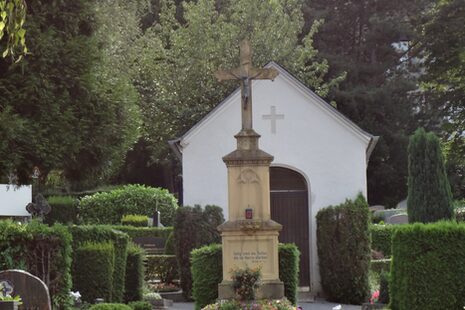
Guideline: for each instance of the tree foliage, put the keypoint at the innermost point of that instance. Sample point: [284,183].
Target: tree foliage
[177,58]
[12,18]
[357,37]
[429,193]
[66,106]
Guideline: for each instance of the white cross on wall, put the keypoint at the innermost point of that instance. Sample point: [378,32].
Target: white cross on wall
[273,117]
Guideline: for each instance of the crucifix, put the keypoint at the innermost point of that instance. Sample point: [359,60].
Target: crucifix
[245,73]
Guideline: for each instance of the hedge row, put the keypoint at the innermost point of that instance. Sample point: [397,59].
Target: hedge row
[207,272]
[82,234]
[109,207]
[428,267]
[32,247]
[93,271]
[343,242]
[134,281]
[64,210]
[135,220]
[381,236]
[137,232]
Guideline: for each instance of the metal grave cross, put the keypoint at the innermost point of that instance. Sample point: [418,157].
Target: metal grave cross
[246,73]
[273,117]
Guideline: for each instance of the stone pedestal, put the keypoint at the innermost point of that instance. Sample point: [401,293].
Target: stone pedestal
[250,240]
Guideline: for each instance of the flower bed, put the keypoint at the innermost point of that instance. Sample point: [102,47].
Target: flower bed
[264,304]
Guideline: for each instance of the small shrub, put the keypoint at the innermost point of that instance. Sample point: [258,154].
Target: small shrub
[289,256]
[135,220]
[162,267]
[134,280]
[109,207]
[193,228]
[94,271]
[207,272]
[140,305]
[100,233]
[381,236]
[150,297]
[343,243]
[109,306]
[245,282]
[384,288]
[427,267]
[64,210]
[460,214]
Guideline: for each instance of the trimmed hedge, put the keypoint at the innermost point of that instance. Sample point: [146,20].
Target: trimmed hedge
[207,272]
[134,280]
[162,267]
[109,306]
[428,267]
[135,220]
[94,271]
[109,207]
[381,238]
[289,256]
[93,233]
[137,232]
[31,247]
[343,242]
[140,305]
[64,210]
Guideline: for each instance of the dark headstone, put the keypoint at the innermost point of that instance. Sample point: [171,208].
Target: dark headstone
[39,207]
[33,292]
[156,219]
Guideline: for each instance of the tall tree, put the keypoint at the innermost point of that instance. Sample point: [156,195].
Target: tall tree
[442,47]
[360,37]
[429,193]
[63,107]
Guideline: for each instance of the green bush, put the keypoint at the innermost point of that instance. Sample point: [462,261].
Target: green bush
[100,233]
[109,207]
[134,280]
[162,267]
[207,272]
[137,232]
[108,306]
[193,228]
[428,267]
[381,236]
[94,271]
[64,210]
[429,193]
[33,246]
[343,242]
[140,305]
[289,256]
[135,220]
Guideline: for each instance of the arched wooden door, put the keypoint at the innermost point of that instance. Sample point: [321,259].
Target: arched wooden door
[289,207]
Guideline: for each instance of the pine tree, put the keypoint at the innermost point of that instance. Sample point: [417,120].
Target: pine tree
[429,193]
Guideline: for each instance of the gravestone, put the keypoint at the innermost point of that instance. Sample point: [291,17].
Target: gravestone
[250,236]
[33,291]
[398,219]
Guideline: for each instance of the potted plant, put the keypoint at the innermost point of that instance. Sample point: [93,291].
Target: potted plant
[8,302]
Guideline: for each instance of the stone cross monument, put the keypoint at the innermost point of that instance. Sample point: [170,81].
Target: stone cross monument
[250,237]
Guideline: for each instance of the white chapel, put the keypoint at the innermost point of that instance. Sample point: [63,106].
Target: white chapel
[320,159]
